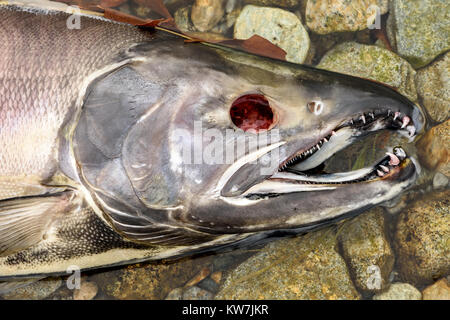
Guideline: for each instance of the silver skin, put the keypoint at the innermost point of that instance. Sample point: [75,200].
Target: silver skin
[117,166]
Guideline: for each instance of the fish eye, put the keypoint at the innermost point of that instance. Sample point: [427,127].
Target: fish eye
[315,106]
[252,112]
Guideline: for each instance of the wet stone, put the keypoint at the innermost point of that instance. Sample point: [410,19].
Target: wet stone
[149,281]
[183,20]
[196,293]
[175,294]
[419,30]
[206,14]
[433,148]
[276,3]
[88,290]
[281,27]
[422,239]
[372,62]
[327,16]
[440,181]
[304,267]
[35,291]
[367,251]
[440,290]
[433,87]
[399,291]
[208,284]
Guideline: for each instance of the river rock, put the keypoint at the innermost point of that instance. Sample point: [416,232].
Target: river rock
[175,294]
[149,281]
[367,251]
[183,20]
[399,291]
[281,27]
[35,291]
[372,62]
[419,30]
[433,87]
[326,16]
[206,14]
[196,293]
[440,290]
[277,3]
[433,148]
[304,267]
[88,290]
[422,239]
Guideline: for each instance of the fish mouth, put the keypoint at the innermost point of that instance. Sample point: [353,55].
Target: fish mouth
[301,170]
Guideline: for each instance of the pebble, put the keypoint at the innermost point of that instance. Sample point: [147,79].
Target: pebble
[367,251]
[433,87]
[206,14]
[88,290]
[422,239]
[304,267]
[281,27]
[372,62]
[196,293]
[440,290]
[327,16]
[419,30]
[399,291]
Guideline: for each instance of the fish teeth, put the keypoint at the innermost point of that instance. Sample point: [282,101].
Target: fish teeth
[363,119]
[405,121]
[372,115]
[384,168]
[380,174]
[396,115]
[394,160]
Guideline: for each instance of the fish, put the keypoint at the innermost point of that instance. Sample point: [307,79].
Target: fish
[122,144]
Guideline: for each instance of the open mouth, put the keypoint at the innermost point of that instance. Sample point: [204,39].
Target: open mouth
[302,171]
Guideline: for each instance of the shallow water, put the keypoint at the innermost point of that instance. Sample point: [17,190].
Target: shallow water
[156,280]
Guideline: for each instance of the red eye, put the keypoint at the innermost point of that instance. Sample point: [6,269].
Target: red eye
[252,112]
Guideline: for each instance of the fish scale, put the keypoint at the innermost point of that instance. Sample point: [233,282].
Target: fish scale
[41,75]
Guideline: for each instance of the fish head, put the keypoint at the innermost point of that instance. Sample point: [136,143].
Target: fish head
[219,141]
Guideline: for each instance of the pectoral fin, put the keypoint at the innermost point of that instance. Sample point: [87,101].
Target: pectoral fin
[25,221]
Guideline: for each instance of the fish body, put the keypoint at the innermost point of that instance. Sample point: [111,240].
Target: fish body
[115,144]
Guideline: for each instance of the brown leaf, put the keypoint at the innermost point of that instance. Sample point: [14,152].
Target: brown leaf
[257,45]
[111,3]
[119,16]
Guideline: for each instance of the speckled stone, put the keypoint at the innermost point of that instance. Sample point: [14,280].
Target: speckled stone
[422,239]
[196,293]
[149,281]
[434,148]
[206,14]
[440,290]
[367,251]
[419,30]
[183,20]
[433,87]
[399,291]
[276,3]
[88,290]
[281,27]
[175,294]
[372,62]
[304,267]
[326,16]
[35,291]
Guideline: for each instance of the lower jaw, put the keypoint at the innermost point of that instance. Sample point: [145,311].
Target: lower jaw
[288,182]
